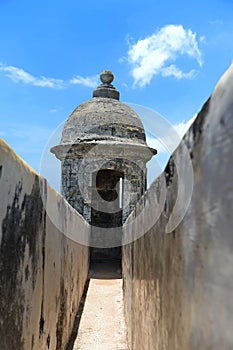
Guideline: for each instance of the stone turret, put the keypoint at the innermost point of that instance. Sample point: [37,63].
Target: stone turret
[103,151]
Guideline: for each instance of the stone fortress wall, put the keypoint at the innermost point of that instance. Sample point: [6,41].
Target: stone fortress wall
[178,286]
[42,271]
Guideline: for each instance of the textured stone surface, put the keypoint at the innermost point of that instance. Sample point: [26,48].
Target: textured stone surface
[178,287]
[42,272]
[79,181]
[101,118]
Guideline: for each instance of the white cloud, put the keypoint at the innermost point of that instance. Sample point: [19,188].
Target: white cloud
[183,127]
[216,22]
[172,70]
[151,56]
[19,75]
[86,81]
[53,110]
[164,145]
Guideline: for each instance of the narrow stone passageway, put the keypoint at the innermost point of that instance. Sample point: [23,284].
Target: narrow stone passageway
[102,325]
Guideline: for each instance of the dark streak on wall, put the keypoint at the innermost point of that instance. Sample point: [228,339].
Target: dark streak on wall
[16,234]
[36,311]
[62,315]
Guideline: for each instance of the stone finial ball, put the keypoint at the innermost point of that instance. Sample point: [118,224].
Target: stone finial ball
[106,77]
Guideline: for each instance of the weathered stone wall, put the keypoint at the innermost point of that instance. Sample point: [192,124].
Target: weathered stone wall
[79,181]
[178,287]
[42,271]
[85,187]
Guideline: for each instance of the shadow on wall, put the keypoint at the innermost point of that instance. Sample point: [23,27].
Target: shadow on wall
[184,280]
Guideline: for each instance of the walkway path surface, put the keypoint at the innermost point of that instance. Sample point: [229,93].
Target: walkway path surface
[102,325]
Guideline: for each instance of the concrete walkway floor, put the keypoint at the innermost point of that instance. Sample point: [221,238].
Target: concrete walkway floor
[102,325]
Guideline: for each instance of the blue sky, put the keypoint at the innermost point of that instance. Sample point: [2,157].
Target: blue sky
[166,55]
